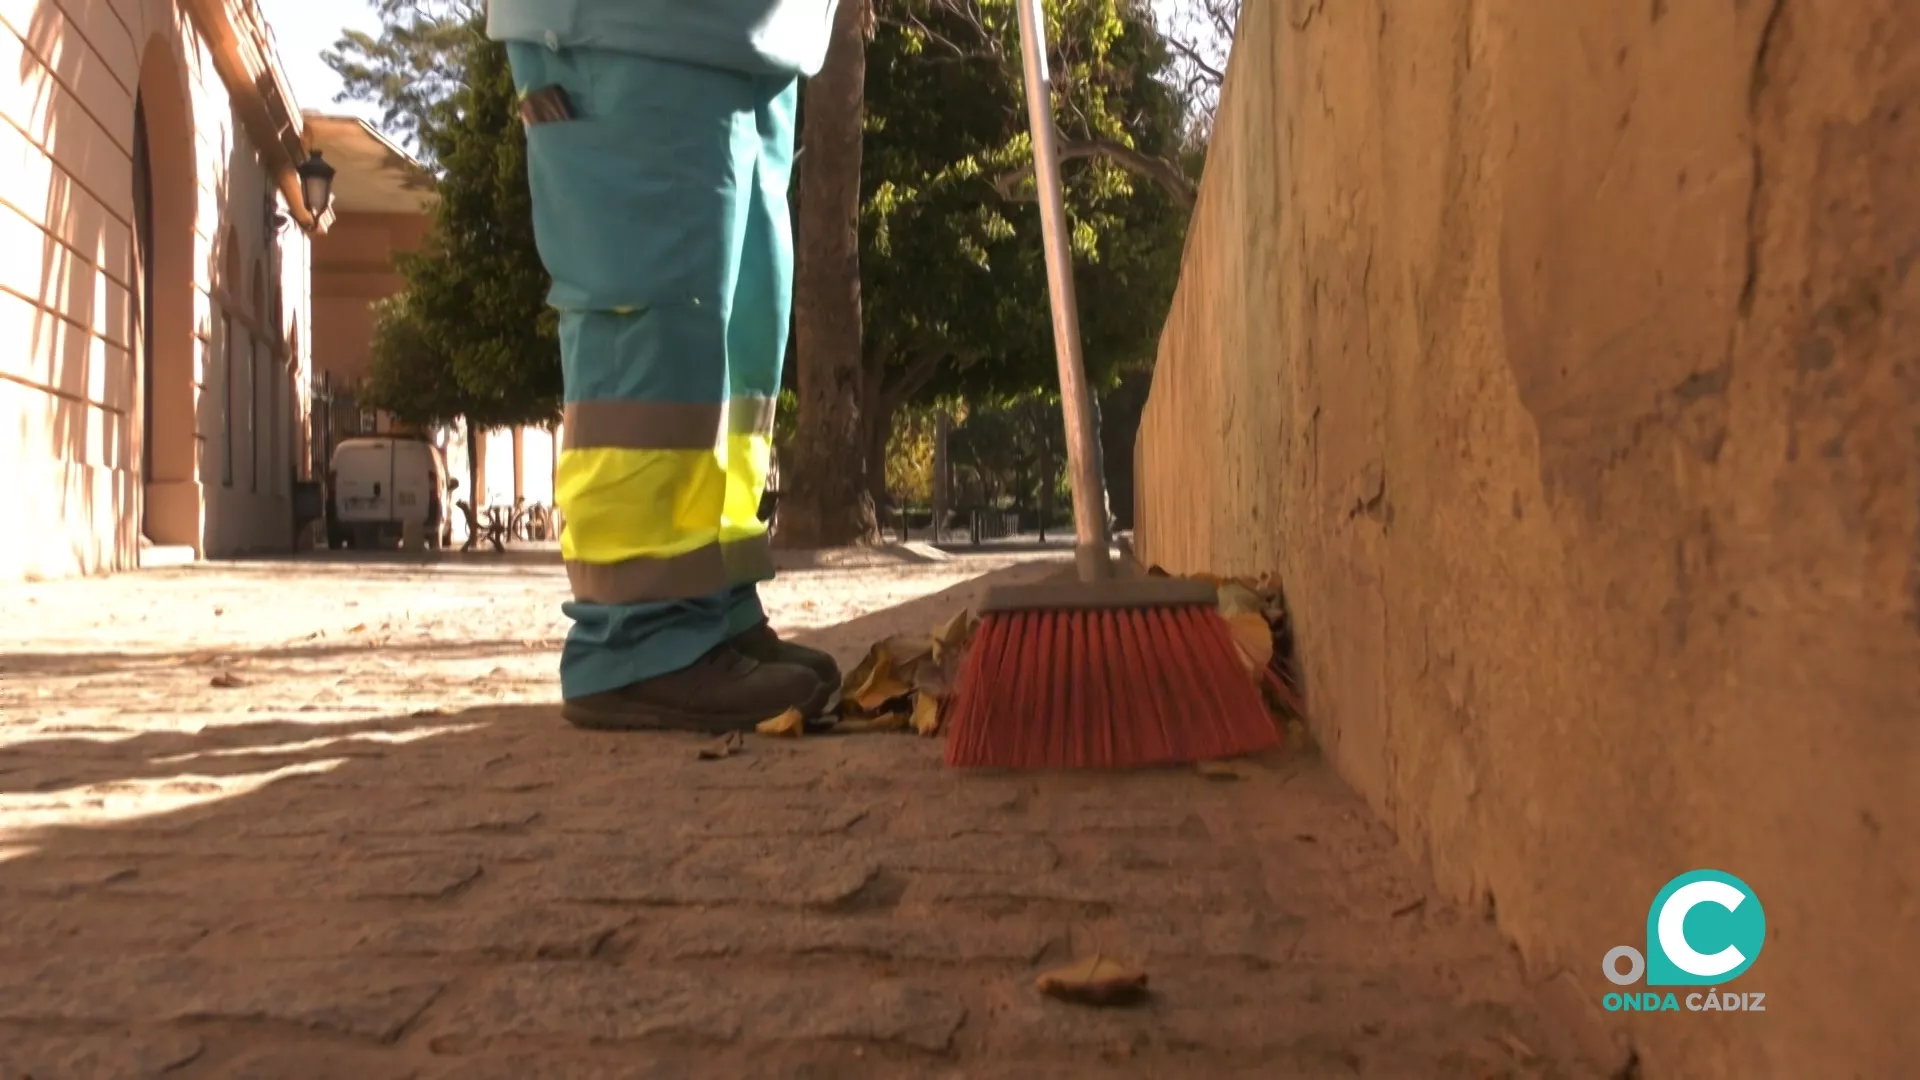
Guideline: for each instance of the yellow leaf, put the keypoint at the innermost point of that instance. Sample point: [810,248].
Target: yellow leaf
[881,685]
[1095,981]
[789,724]
[1254,638]
[926,714]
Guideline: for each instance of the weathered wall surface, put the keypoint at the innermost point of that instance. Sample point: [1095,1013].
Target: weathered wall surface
[86,475]
[1565,358]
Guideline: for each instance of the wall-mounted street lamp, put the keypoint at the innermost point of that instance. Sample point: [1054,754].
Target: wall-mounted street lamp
[316,184]
[316,191]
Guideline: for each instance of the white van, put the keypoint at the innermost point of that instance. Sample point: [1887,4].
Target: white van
[377,483]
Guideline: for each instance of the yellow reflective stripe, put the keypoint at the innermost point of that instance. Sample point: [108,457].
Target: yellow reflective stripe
[623,504]
[749,461]
[695,573]
[640,425]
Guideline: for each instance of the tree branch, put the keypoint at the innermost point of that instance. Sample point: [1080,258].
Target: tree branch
[1206,70]
[1159,170]
[913,380]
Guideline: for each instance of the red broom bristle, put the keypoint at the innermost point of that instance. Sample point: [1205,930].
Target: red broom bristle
[1104,689]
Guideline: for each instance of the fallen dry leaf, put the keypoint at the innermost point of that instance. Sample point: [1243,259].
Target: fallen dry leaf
[724,747]
[881,686]
[926,714]
[1218,770]
[1254,638]
[357,628]
[1237,599]
[1094,981]
[952,636]
[789,724]
[907,650]
[227,680]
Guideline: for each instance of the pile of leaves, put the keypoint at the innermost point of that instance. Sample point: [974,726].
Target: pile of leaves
[900,686]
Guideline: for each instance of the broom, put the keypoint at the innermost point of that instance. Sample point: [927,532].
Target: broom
[1101,672]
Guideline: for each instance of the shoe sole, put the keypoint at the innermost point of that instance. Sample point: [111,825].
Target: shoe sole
[583,716]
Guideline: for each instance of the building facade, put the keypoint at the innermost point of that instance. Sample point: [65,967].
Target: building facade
[154,294]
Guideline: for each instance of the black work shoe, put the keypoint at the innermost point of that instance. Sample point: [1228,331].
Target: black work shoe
[764,645]
[723,691]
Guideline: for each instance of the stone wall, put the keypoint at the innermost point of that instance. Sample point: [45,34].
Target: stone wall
[1565,360]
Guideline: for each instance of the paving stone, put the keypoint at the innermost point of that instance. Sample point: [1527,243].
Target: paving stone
[418,821]
[351,998]
[973,853]
[111,1055]
[40,927]
[321,1061]
[421,877]
[757,871]
[1261,937]
[545,1000]
[712,935]
[595,1002]
[584,1063]
[745,818]
[1094,890]
[533,932]
[59,878]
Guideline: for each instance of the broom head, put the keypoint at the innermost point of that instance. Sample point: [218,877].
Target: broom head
[1113,674]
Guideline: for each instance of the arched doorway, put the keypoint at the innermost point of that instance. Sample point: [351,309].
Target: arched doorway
[173,505]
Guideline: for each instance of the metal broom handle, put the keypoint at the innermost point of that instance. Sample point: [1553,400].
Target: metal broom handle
[1076,401]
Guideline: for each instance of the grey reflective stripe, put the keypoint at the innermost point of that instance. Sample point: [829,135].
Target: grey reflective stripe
[640,425]
[660,425]
[700,572]
[748,560]
[750,416]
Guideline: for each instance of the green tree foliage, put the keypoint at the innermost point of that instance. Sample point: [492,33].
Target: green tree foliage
[953,270]
[472,335]
[411,67]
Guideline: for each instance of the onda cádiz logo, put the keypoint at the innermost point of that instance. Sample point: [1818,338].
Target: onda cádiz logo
[1705,929]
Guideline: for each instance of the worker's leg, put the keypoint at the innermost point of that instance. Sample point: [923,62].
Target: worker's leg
[756,354]
[640,213]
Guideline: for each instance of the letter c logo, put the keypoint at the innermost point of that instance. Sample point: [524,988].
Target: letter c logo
[1673,928]
[1705,926]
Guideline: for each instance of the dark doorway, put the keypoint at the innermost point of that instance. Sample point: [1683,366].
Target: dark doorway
[143,284]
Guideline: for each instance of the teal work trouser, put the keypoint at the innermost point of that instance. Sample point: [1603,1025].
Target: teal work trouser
[661,213]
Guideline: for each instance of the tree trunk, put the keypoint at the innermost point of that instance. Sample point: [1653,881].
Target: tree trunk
[473,466]
[942,475]
[826,503]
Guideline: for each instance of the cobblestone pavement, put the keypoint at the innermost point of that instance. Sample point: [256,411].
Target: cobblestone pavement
[320,818]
